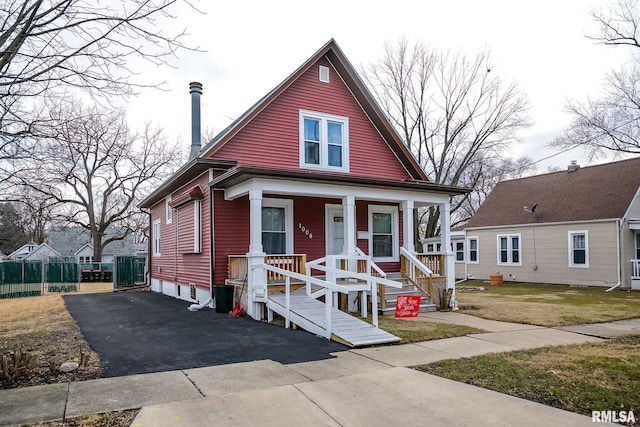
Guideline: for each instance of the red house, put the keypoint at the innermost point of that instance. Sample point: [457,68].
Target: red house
[312,170]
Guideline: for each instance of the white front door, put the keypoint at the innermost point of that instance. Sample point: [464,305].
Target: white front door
[335,230]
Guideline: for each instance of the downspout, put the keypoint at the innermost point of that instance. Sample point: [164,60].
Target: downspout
[149,248]
[209,302]
[619,224]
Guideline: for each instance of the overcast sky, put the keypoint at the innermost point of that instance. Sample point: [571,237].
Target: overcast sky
[251,46]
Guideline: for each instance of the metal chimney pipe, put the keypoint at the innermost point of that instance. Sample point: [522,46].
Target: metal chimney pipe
[195,89]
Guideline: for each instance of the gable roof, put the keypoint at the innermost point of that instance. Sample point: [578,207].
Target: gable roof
[588,193]
[359,91]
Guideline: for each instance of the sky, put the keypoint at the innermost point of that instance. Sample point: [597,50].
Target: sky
[251,46]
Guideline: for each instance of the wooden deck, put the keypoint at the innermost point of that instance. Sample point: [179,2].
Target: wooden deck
[309,314]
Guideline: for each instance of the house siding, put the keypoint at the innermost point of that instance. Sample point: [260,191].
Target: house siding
[271,139]
[550,252]
[634,207]
[177,264]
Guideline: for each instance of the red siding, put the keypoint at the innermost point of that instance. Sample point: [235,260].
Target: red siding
[173,265]
[230,230]
[271,139]
[185,216]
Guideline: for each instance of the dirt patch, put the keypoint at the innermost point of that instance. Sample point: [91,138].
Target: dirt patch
[43,327]
[110,419]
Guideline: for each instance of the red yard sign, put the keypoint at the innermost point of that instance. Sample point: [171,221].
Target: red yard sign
[407,305]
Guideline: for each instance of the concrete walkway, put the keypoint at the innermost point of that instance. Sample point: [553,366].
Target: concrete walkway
[360,387]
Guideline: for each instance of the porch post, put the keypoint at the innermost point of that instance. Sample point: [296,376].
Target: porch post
[407,225]
[445,241]
[349,213]
[257,287]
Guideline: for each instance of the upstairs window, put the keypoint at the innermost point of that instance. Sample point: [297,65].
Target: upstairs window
[324,141]
[578,249]
[156,237]
[169,209]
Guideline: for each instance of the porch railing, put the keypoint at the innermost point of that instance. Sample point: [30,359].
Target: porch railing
[434,262]
[635,268]
[237,266]
[417,272]
[357,282]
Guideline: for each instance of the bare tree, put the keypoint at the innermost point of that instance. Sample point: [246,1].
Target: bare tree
[50,46]
[454,113]
[610,123]
[97,170]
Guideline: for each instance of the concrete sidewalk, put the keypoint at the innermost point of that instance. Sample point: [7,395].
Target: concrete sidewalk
[368,386]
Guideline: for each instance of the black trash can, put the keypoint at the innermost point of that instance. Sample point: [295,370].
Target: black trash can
[224,298]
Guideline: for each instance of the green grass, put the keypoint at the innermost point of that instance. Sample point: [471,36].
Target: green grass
[417,330]
[578,378]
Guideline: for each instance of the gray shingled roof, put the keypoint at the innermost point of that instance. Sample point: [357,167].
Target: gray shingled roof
[68,240]
[589,193]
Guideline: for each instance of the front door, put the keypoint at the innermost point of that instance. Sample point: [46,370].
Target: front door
[335,230]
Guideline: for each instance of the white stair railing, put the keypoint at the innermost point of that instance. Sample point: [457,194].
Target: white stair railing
[635,268]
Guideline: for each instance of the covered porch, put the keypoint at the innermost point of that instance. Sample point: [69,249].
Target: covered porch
[367,224]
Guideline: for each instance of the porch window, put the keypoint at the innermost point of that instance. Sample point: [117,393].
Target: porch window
[383,223]
[509,249]
[324,141]
[578,249]
[472,243]
[156,237]
[277,228]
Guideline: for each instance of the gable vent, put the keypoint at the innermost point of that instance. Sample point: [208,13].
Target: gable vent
[324,74]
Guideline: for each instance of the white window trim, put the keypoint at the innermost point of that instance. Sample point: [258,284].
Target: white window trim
[156,230]
[287,204]
[509,249]
[324,146]
[197,226]
[168,210]
[395,232]
[454,249]
[570,235]
[468,250]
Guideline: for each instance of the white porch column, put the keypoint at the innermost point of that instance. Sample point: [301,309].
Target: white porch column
[349,213]
[407,224]
[257,286]
[445,241]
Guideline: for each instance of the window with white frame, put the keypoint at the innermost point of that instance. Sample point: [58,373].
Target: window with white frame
[383,232]
[277,226]
[169,209]
[637,245]
[197,226]
[472,244]
[324,141]
[459,249]
[578,249]
[509,249]
[156,237]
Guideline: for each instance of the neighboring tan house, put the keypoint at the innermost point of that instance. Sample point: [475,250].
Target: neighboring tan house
[580,226]
[312,169]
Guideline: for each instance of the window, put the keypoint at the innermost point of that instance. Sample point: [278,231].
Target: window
[509,249]
[637,245]
[156,237]
[169,209]
[324,141]
[578,249]
[197,226]
[383,227]
[277,226]
[472,244]
[459,251]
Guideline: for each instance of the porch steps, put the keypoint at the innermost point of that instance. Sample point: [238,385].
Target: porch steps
[391,296]
[309,314]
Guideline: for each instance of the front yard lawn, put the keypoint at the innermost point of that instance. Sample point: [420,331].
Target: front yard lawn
[547,305]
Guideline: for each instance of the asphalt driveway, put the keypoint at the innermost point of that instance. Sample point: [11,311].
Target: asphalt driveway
[141,332]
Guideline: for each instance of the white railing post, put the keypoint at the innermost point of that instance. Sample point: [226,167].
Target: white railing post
[374,302]
[287,299]
[328,297]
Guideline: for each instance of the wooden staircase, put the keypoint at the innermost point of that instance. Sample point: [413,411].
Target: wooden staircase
[391,295]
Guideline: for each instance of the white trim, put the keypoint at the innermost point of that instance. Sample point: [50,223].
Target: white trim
[287,204]
[509,237]
[468,250]
[635,197]
[395,231]
[324,144]
[168,210]
[570,248]
[538,224]
[332,191]
[156,231]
